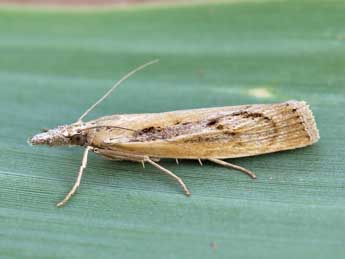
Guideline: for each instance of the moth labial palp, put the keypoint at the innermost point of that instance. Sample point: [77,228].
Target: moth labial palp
[210,134]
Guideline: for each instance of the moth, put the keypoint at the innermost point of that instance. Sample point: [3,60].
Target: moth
[212,134]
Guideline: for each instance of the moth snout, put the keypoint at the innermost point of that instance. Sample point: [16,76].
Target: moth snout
[39,139]
[50,138]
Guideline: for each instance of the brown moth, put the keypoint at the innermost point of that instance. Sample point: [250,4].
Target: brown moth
[202,134]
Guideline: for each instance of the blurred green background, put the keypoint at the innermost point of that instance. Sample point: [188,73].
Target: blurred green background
[55,63]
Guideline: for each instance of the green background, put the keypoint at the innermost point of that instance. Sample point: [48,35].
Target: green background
[55,63]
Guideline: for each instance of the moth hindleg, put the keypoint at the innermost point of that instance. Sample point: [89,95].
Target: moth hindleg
[178,179]
[77,182]
[236,167]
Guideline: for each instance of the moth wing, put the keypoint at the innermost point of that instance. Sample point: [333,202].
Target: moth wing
[241,131]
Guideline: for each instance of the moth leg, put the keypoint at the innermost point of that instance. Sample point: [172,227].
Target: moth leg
[77,182]
[178,179]
[200,161]
[236,167]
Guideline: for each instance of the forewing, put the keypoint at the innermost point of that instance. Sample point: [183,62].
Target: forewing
[224,132]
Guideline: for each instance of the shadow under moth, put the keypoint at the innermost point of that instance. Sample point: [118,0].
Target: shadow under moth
[211,134]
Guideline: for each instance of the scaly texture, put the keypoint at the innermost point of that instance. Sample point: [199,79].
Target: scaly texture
[224,132]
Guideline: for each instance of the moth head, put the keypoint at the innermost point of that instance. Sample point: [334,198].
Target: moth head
[74,134]
[60,136]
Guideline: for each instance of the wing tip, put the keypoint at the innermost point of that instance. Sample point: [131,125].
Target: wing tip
[308,119]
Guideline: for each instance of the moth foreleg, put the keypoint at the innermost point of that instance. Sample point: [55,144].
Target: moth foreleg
[236,167]
[178,179]
[77,182]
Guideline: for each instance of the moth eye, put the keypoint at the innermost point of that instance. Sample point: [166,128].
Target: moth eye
[78,139]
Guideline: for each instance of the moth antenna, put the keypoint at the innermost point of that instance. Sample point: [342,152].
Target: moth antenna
[112,127]
[128,75]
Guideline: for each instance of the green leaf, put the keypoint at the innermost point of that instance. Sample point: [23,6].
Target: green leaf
[54,64]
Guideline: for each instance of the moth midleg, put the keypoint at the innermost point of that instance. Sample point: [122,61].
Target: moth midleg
[142,159]
[236,167]
[77,182]
[121,155]
[178,179]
